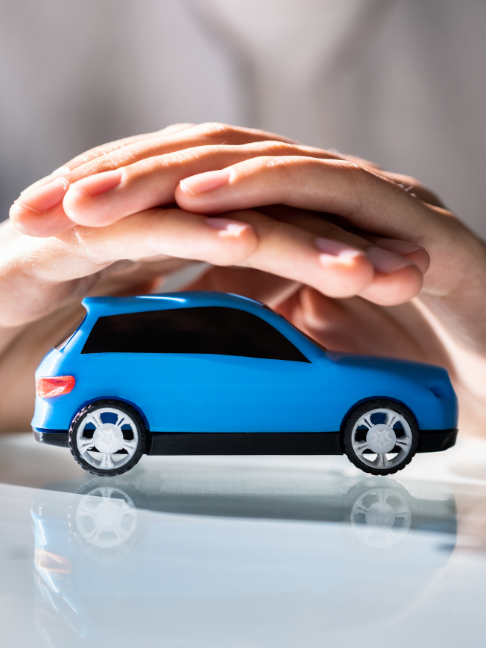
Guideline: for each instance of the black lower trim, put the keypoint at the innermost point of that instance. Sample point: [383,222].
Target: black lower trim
[55,438]
[246,443]
[254,443]
[437,440]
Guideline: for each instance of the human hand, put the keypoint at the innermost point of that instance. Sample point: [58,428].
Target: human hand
[280,245]
[339,263]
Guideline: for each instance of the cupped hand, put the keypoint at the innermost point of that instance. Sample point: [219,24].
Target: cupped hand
[98,218]
[39,209]
[342,253]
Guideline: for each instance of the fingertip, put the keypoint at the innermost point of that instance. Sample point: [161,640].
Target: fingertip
[395,288]
[74,204]
[346,274]
[236,240]
[420,258]
[40,226]
[410,251]
[78,202]
[79,209]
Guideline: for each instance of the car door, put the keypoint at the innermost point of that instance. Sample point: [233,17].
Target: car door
[233,371]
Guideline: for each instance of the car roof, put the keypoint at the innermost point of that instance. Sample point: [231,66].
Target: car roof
[117,305]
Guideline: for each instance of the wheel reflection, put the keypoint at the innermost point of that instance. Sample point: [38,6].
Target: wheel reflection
[106,518]
[380,518]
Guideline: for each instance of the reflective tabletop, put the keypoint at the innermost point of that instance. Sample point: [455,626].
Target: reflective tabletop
[242,551]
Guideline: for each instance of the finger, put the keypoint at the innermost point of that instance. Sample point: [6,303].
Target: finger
[125,151]
[313,222]
[103,198]
[99,151]
[367,200]
[335,262]
[164,232]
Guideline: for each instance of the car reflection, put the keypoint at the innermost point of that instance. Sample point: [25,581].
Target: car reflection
[175,563]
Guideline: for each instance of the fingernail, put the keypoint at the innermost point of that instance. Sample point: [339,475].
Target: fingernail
[61,171]
[399,247]
[226,227]
[99,183]
[44,198]
[385,261]
[336,251]
[204,182]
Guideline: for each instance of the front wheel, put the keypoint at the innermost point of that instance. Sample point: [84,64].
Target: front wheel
[107,438]
[380,437]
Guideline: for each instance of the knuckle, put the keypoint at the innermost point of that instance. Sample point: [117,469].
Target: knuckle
[358,176]
[407,183]
[277,148]
[360,180]
[216,130]
[353,169]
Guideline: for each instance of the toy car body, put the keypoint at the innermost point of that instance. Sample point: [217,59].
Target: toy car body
[213,373]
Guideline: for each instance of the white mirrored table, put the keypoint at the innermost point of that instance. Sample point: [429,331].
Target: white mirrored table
[241,552]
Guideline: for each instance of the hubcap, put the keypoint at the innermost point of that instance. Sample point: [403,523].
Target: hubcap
[381,438]
[107,438]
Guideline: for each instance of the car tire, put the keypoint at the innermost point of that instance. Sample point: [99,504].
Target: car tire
[380,436]
[107,438]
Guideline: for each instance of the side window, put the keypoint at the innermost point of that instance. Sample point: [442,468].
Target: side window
[203,330]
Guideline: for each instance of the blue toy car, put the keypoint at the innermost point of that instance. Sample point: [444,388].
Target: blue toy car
[213,373]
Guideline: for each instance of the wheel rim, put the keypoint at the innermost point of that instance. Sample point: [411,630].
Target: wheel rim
[106,518]
[381,438]
[107,438]
[381,518]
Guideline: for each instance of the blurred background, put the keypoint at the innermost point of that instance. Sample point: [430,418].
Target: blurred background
[400,82]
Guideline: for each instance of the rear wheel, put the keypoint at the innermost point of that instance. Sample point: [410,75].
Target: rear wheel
[107,438]
[380,437]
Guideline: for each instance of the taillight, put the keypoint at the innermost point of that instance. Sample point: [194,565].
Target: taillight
[55,386]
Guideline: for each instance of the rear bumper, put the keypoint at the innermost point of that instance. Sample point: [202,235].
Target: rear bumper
[51,437]
[288,443]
